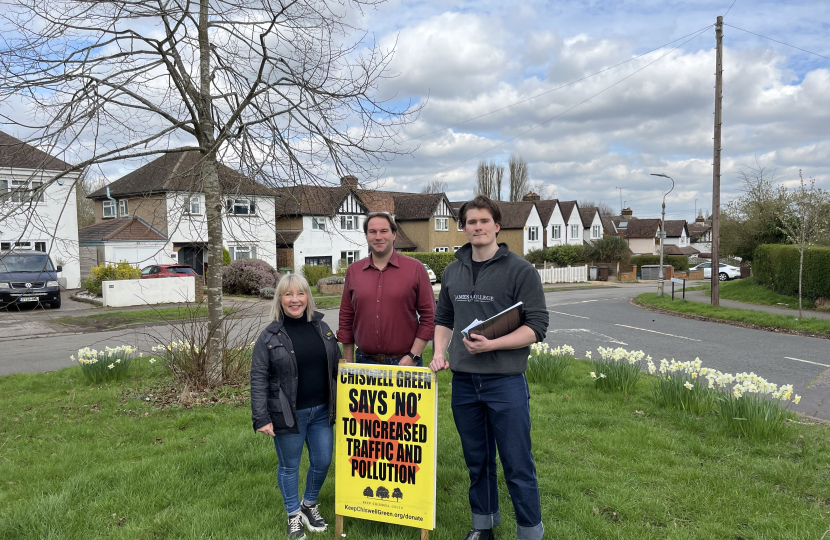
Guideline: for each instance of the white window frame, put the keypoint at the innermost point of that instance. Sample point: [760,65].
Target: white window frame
[595,231]
[43,244]
[442,249]
[318,223]
[123,208]
[442,224]
[533,234]
[192,205]
[456,248]
[248,249]
[349,223]
[350,256]
[236,204]
[111,206]
[4,188]
[574,231]
[459,226]
[556,232]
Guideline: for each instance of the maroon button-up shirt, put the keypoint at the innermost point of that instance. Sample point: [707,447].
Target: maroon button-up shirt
[380,309]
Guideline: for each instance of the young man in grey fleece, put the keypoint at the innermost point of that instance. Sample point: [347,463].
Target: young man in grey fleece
[489,390]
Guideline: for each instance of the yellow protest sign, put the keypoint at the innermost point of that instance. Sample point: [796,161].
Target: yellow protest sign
[386,444]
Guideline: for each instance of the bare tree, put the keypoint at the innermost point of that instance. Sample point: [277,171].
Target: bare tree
[803,219]
[545,192]
[605,209]
[435,186]
[519,177]
[489,175]
[278,90]
[85,207]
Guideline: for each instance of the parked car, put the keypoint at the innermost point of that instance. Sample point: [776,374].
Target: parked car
[727,271]
[167,270]
[28,278]
[431,274]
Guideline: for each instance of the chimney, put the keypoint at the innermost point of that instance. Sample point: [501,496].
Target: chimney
[626,213]
[531,197]
[349,181]
[699,218]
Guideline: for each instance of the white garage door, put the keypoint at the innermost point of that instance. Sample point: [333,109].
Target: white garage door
[140,256]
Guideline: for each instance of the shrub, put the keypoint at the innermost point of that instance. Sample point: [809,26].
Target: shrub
[437,261]
[679,262]
[109,272]
[617,369]
[775,267]
[567,254]
[248,276]
[313,274]
[267,293]
[608,249]
[226,256]
[111,364]
[545,365]
[538,256]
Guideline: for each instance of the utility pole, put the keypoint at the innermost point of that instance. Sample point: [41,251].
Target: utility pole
[715,279]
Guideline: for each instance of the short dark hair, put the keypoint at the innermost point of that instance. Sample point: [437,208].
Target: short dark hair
[481,203]
[385,215]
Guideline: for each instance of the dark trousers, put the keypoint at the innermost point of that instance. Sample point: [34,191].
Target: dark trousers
[360,359]
[490,412]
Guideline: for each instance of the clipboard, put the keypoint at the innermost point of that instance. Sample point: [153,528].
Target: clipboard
[498,325]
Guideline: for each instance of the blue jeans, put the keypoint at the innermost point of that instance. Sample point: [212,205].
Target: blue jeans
[316,433]
[493,411]
[360,359]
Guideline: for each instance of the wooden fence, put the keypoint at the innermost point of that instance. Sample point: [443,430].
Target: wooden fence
[568,274]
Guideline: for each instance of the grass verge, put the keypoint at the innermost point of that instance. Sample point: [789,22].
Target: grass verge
[747,291]
[744,316]
[115,461]
[102,321]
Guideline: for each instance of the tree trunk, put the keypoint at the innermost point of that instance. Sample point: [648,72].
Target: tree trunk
[800,272]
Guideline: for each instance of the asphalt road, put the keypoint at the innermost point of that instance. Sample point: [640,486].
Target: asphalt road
[583,319]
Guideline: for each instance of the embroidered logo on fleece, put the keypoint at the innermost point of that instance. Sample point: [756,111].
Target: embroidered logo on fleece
[473,298]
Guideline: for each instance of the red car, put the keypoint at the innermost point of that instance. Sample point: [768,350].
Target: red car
[167,270]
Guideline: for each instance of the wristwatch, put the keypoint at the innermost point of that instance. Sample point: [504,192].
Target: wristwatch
[415,357]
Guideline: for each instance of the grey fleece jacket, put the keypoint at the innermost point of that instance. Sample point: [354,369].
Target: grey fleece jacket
[503,281]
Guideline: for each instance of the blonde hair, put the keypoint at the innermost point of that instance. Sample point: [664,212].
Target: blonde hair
[294,282]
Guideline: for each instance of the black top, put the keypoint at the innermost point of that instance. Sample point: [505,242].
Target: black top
[476,267]
[312,364]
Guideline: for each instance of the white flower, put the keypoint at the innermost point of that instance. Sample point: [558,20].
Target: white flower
[593,375]
[111,366]
[152,360]
[602,375]
[688,385]
[797,399]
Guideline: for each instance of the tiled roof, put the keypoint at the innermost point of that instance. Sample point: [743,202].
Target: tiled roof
[545,209]
[514,214]
[697,230]
[310,200]
[587,216]
[128,228]
[567,207]
[377,201]
[15,153]
[402,241]
[674,228]
[608,224]
[179,171]
[416,206]
[287,237]
[670,249]
[642,228]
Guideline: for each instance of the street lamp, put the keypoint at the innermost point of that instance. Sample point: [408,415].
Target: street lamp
[662,274]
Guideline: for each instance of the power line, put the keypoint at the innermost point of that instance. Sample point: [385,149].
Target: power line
[450,167]
[552,90]
[730,8]
[775,40]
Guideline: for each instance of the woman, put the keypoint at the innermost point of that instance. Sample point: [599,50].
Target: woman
[293,397]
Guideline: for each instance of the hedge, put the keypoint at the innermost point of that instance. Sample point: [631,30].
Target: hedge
[679,262]
[564,255]
[314,273]
[436,261]
[109,272]
[775,267]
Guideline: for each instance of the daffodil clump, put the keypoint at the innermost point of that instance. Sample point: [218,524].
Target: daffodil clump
[616,369]
[684,385]
[188,360]
[546,365]
[110,364]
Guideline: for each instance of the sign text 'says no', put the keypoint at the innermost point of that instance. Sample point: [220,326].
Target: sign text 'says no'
[386,444]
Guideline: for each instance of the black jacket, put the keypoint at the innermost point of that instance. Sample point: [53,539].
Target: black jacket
[274,376]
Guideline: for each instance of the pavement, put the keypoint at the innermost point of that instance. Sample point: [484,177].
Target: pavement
[583,316]
[703,297]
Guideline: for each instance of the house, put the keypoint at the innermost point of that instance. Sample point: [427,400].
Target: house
[592,228]
[642,236]
[37,212]
[429,221]
[700,236]
[621,222]
[553,224]
[677,240]
[608,226]
[127,238]
[521,226]
[167,195]
[573,222]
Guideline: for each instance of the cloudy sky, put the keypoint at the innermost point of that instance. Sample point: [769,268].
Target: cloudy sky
[653,113]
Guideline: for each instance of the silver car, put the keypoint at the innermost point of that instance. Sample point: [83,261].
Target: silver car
[431,274]
[726,272]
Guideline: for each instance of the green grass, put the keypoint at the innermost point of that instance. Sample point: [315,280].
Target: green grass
[761,318]
[745,290]
[79,461]
[121,318]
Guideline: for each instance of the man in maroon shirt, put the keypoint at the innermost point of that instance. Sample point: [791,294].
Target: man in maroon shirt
[388,304]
